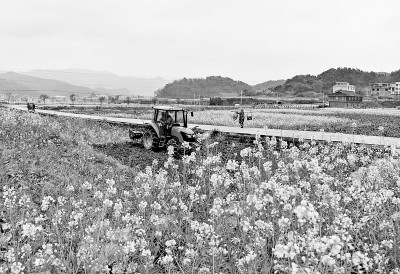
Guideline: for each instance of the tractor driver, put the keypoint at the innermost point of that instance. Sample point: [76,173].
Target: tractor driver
[170,120]
[167,118]
[169,123]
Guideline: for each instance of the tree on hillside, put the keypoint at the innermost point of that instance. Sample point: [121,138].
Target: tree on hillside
[8,96]
[102,99]
[112,99]
[318,86]
[128,100]
[216,101]
[158,92]
[243,92]
[72,97]
[268,85]
[43,97]
[279,88]
[395,76]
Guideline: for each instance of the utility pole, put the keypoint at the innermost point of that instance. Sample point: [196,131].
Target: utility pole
[241,96]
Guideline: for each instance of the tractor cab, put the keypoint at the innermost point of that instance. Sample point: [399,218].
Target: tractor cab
[170,117]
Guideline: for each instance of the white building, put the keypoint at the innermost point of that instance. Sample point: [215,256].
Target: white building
[392,88]
[343,86]
[395,88]
[58,98]
[123,97]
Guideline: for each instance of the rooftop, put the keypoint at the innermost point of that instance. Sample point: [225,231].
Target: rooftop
[168,108]
[344,93]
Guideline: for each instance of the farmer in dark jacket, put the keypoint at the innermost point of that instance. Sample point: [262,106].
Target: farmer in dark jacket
[241,117]
[31,107]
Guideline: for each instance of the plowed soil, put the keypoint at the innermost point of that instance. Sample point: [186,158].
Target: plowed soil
[133,154]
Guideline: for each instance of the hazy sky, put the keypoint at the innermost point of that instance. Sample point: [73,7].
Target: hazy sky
[250,40]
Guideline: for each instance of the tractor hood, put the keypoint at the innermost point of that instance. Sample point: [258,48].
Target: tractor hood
[183,134]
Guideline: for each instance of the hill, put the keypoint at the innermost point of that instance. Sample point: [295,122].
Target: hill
[324,82]
[268,85]
[115,84]
[10,86]
[208,87]
[33,86]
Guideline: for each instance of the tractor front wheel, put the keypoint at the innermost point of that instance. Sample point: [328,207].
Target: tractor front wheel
[149,139]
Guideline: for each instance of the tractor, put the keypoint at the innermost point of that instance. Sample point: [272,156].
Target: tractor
[168,127]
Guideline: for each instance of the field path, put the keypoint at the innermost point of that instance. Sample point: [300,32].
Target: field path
[289,135]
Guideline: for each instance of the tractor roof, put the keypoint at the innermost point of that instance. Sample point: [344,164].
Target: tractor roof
[168,108]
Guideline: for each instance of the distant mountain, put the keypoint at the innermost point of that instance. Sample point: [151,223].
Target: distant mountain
[324,82]
[268,85]
[7,86]
[208,87]
[105,80]
[21,84]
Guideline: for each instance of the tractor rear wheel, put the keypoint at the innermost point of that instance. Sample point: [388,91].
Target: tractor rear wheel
[150,139]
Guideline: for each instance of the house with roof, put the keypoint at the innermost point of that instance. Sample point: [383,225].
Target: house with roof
[344,96]
[344,99]
[343,86]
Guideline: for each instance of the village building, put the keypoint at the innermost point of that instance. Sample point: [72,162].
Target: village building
[343,86]
[59,98]
[344,99]
[123,97]
[344,96]
[105,96]
[385,88]
[3,98]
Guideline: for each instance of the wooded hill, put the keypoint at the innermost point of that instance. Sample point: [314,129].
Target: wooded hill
[299,85]
[208,87]
[324,82]
[268,85]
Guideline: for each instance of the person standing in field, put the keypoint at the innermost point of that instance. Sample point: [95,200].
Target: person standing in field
[241,117]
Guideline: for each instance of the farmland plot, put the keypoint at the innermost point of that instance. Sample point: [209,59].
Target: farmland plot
[360,122]
[68,208]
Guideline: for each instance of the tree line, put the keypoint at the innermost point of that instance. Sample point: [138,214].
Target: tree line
[204,87]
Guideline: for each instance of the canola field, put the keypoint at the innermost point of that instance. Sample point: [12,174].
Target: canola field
[266,207]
